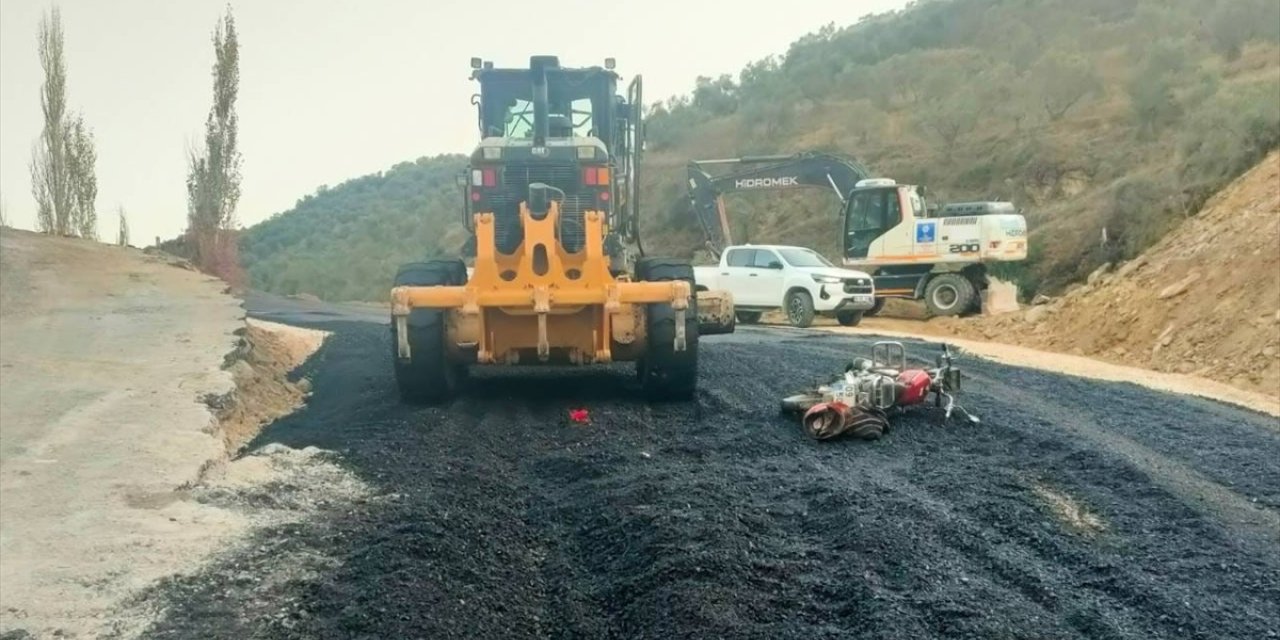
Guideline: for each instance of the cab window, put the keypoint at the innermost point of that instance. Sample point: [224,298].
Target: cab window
[874,210]
[519,120]
[917,205]
[764,258]
[740,257]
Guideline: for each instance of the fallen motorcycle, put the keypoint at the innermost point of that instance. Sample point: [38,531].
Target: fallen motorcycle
[859,402]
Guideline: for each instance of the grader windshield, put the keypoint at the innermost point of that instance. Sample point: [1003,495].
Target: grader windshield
[580,103]
[566,128]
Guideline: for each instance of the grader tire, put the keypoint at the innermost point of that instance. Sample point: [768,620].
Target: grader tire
[666,374]
[427,376]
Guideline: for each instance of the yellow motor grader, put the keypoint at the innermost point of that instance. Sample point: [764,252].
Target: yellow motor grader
[559,276]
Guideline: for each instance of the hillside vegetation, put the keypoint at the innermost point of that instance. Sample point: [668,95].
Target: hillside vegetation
[1123,114]
[345,243]
[1205,299]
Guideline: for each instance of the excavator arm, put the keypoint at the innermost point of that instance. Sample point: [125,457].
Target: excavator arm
[809,170]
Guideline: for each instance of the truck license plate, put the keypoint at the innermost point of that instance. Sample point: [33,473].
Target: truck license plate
[864,299]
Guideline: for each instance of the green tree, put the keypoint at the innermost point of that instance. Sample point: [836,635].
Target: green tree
[122,236]
[1231,25]
[715,97]
[1152,96]
[213,177]
[1063,80]
[948,120]
[62,159]
[81,166]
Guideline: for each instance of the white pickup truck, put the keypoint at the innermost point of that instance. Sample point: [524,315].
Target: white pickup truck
[797,280]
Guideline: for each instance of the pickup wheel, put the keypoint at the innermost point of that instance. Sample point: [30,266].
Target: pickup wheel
[876,307]
[799,308]
[949,294]
[667,374]
[748,317]
[427,376]
[849,318]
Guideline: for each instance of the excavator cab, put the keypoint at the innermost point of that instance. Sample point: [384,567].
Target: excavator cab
[872,210]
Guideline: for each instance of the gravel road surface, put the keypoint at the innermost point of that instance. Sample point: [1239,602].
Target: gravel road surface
[1078,509]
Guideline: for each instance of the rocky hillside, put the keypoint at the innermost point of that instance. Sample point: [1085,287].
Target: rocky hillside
[1204,300]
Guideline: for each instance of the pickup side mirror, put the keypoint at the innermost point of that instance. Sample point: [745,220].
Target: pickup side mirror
[775,264]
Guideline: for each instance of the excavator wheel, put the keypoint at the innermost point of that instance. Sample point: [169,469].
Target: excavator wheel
[428,376]
[949,294]
[667,374]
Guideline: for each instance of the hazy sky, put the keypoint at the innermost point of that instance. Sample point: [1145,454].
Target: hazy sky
[334,90]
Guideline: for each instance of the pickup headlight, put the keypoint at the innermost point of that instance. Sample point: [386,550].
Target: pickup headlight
[825,279]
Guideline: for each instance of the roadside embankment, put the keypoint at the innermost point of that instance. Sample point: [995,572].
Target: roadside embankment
[127,378]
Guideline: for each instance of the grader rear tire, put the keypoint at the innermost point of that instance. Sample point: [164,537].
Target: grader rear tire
[666,374]
[428,376]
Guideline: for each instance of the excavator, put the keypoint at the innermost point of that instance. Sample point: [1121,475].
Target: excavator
[911,249]
[558,274]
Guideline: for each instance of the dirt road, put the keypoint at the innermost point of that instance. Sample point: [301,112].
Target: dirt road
[1079,509]
[110,360]
[106,355]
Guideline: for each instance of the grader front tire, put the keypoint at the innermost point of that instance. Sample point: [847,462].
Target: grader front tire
[428,376]
[666,374]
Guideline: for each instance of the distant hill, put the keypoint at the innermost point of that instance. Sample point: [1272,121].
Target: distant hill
[1123,114]
[345,242]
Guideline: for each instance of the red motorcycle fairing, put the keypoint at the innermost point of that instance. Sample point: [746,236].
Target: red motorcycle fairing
[913,386]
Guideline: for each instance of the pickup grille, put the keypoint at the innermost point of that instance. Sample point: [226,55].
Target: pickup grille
[858,285]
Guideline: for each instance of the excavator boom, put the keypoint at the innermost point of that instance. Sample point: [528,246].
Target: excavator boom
[809,170]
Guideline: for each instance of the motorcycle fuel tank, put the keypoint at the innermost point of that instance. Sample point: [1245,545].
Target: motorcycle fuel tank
[913,386]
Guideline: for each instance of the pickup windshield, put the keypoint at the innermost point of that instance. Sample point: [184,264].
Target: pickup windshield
[804,258]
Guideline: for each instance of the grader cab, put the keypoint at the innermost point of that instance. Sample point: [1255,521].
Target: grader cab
[551,203]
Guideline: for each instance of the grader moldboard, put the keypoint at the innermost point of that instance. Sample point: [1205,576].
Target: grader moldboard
[550,199]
